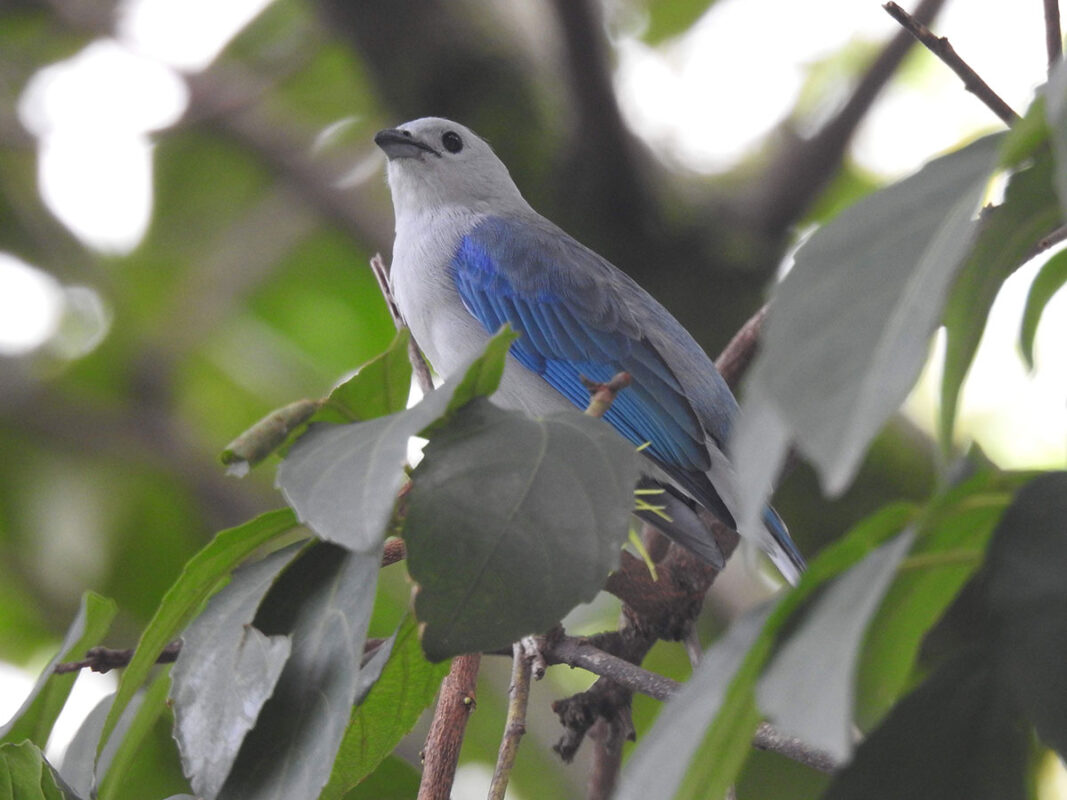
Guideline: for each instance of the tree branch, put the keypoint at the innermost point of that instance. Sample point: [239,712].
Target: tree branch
[802,167]
[455,702]
[941,48]
[515,725]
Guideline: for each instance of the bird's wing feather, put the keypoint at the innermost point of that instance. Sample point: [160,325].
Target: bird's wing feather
[580,317]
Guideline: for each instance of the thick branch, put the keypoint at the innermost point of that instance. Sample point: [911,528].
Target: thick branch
[803,167]
[941,48]
[455,702]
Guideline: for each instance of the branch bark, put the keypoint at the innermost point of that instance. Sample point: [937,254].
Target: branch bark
[455,703]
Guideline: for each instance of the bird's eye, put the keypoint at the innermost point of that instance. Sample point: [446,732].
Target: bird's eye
[451,141]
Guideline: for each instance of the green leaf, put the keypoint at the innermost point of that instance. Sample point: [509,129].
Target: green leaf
[1027,598]
[79,759]
[406,687]
[658,766]
[1050,279]
[116,764]
[324,602]
[851,323]
[205,573]
[342,480]
[726,740]
[953,534]
[1056,115]
[38,713]
[1008,234]
[1026,137]
[669,18]
[954,736]
[512,522]
[225,673]
[26,775]
[807,690]
[380,387]
[395,779]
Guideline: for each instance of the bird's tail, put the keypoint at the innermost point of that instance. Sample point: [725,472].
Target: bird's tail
[785,555]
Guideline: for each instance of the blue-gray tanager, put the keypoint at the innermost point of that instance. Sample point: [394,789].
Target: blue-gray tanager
[471,254]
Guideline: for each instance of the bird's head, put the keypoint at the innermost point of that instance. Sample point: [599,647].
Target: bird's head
[435,163]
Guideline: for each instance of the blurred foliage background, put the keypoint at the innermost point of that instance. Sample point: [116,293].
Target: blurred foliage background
[249,287]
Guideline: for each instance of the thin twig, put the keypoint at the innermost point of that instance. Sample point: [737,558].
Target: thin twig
[1053,33]
[602,395]
[941,48]
[455,703]
[515,726]
[577,652]
[769,739]
[104,659]
[734,360]
[418,363]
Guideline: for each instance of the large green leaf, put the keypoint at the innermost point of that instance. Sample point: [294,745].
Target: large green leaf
[658,767]
[379,387]
[807,690]
[225,673]
[1027,598]
[851,322]
[953,533]
[34,720]
[1008,235]
[26,775]
[342,480]
[119,761]
[406,686]
[324,602]
[955,736]
[205,573]
[512,522]
[395,779]
[726,733]
[1050,279]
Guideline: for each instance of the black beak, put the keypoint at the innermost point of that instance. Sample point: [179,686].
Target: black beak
[398,143]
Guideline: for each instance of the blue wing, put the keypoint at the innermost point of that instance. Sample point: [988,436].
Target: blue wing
[579,316]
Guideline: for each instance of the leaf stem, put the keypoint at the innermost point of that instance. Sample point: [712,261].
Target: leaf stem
[515,726]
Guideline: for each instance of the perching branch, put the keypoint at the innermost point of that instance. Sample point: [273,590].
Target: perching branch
[455,703]
[1053,33]
[104,659]
[515,725]
[941,48]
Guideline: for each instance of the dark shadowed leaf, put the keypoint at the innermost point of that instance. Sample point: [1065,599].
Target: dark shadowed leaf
[512,522]
[342,480]
[807,691]
[1050,279]
[34,720]
[324,602]
[225,673]
[952,737]
[1027,597]
[205,573]
[26,775]
[406,686]
[659,765]
[851,322]
[1006,240]
[953,534]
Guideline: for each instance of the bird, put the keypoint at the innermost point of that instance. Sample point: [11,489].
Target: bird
[470,254]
